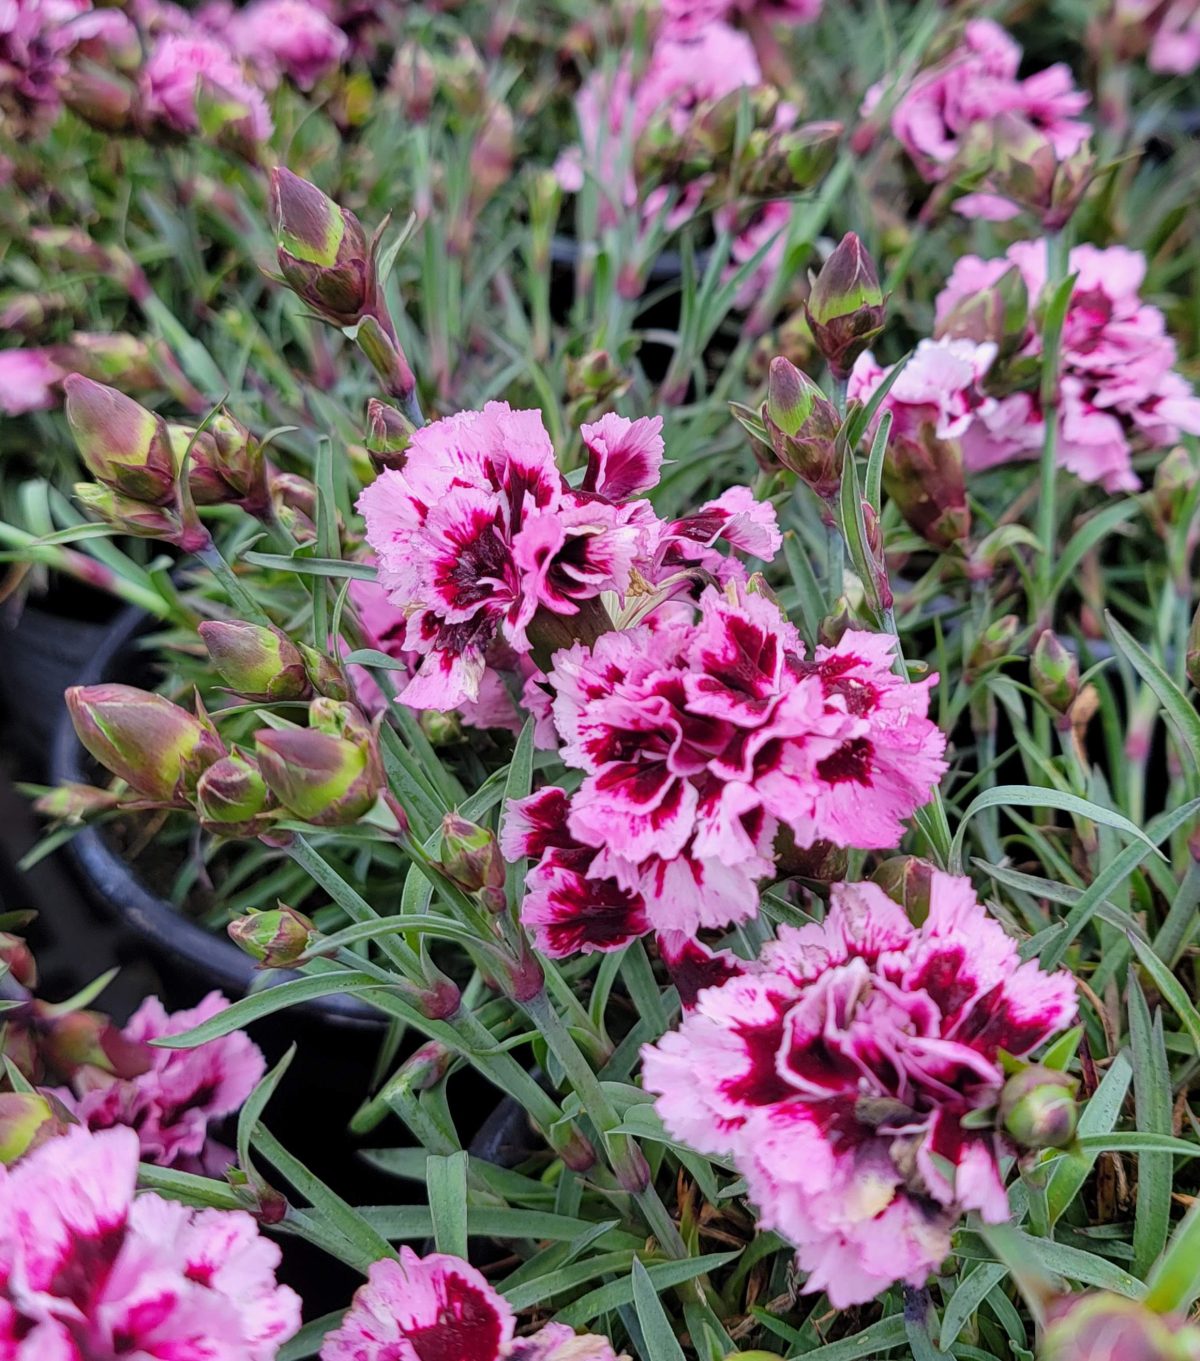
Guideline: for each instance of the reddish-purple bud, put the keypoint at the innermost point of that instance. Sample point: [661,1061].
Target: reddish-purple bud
[123,445]
[322,249]
[389,433]
[99,96]
[153,745]
[257,661]
[924,476]
[472,859]
[908,881]
[803,424]
[72,1040]
[329,773]
[845,308]
[17,961]
[74,803]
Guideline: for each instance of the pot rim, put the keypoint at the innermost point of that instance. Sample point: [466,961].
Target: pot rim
[158,922]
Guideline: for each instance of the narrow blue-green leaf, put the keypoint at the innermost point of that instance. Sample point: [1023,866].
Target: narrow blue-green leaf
[970,1294]
[1172,990]
[315,567]
[1152,1101]
[517,786]
[661,1344]
[662,1277]
[1179,710]
[888,1332]
[1099,1116]
[1175,1281]
[446,1186]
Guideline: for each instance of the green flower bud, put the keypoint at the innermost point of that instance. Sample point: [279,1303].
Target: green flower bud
[322,250]
[444,729]
[17,961]
[803,424]
[389,433]
[232,797]
[1037,1107]
[153,745]
[27,1120]
[908,881]
[142,521]
[325,675]
[329,773]
[1098,1326]
[845,308]
[277,939]
[73,803]
[1054,672]
[257,661]
[994,642]
[123,445]
[1174,480]
[472,859]
[78,1039]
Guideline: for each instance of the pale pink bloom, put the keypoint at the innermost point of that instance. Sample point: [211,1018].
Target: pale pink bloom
[979,80]
[419,1308]
[29,381]
[939,387]
[89,1272]
[557,1342]
[840,1071]
[289,36]
[184,1091]
[1120,390]
[691,16]
[699,738]
[1175,49]
[186,68]
[478,533]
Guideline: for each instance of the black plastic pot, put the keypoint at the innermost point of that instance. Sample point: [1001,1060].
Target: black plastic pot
[184,950]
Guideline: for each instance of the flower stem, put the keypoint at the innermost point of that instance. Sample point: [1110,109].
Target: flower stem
[239,596]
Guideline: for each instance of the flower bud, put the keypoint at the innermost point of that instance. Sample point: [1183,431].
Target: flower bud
[998,314]
[491,160]
[803,425]
[594,375]
[425,1067]
[322,250]
[1037,1107]
[153,745]
[100,97]
[1098,1326]
[822,862]
[232,798]
[413,80]
[1054,672]
[329,773]
[923,475]
[277,939]
[388,434]
[27,1120]
[237,457]
[472,859]
[907,880]
[140,520]
[72,1040]
[993,643]
[1009,158]
[845,308]
[74,803]
[444,729]
[257,661]
[123,445]
[17,961]
[835,625]
[1174,481]
[379,344]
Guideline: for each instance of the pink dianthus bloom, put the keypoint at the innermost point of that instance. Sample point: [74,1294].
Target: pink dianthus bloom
[936,114]
[33,45]
[699,740]
[1120,389]
[839,1074]
[1175,47]
[172,1104]
[419,1308]
[289,36]
[29,381]
[690,16]
[185,68]
[88,1272]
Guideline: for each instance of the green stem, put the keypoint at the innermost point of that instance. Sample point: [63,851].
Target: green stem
[1180,924]
[239,596]
[1047,509]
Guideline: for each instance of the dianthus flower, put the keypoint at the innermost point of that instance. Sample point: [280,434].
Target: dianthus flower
[480,540]
[185,68]
[1119,390]
[419,1308]
[1175,47]
[34,38]
[289,36]
[840,1072]
[29,381]
[937,113]
[699,741]
[89,1273]
[690,16]
[172,1104]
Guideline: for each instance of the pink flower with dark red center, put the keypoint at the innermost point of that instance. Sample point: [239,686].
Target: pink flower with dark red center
[624,456]
[978,80]
[699,738]
[288,36]
[840,1073]
[185,1090]
[478,533]
[89,1273]
[1120,390]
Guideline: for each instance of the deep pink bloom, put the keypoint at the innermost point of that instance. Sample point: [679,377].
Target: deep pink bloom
[699,739]
[33,45]
[88,1273]
[979,80]
[839,1072]
[172,1105]
[1120,389]
[289,36]
[692,966]
[1175,48]
[29,381]
[185,68]
[624,456]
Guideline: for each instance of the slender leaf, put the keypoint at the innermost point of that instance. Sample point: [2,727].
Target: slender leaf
[1172,990]
[446,1185]
[662,1277]
[1099,1116]
[1182,714]
[660,1342]
[1152,1100]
